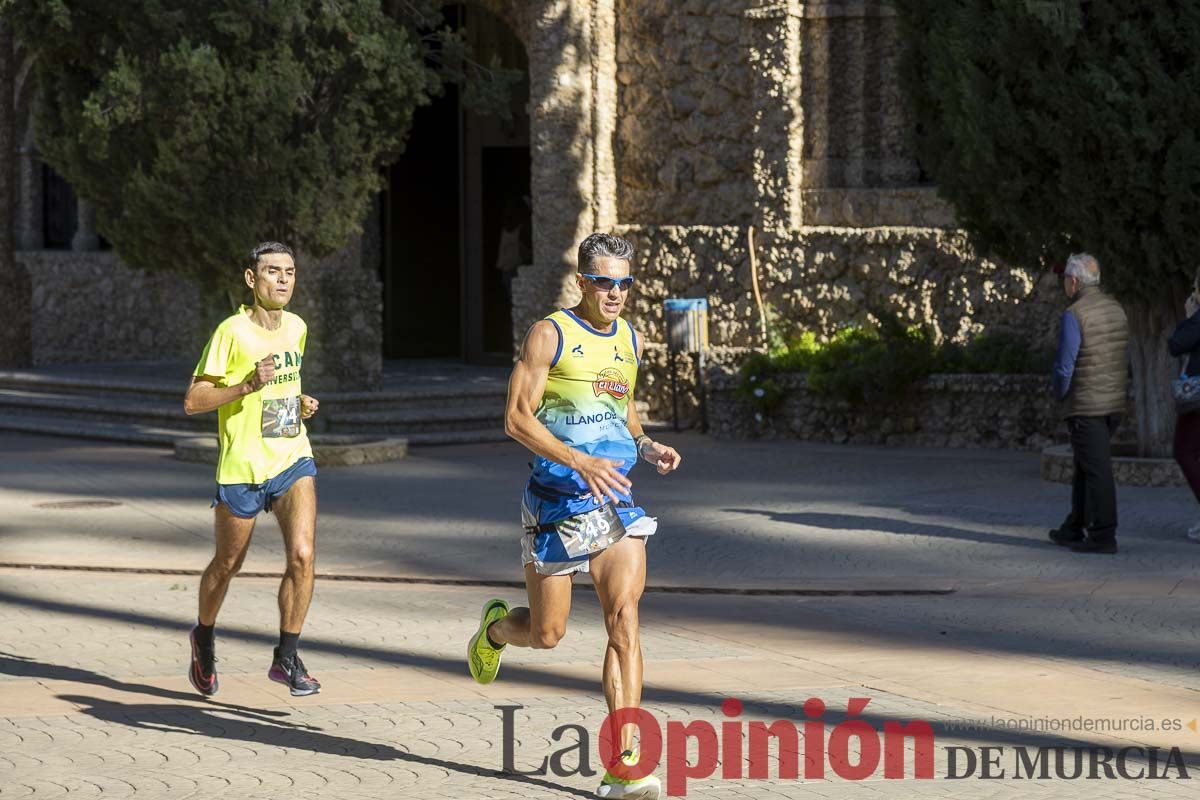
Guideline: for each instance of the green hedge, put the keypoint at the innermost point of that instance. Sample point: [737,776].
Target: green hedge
[875,367]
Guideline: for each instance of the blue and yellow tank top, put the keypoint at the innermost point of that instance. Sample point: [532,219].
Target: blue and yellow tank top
[586,400]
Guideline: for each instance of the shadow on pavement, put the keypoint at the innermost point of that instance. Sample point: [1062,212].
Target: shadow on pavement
[22,667]
[859,522]
[531,676]
[209,723]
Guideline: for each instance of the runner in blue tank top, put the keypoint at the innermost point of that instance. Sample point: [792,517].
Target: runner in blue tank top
[570,401]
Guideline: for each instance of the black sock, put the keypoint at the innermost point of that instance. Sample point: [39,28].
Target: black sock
[205,634]
[288,642]
[487,634]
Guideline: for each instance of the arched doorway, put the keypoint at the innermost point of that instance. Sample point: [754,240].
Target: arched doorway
[457,217]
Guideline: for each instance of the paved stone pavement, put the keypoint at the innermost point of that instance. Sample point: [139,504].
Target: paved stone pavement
[94,700]
[738,515]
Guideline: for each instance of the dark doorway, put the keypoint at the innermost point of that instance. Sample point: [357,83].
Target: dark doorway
[422,241]
[457,218]
[507,240]
[60,211]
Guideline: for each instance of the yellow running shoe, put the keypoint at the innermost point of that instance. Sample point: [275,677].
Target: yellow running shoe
[614,788]
[483,659]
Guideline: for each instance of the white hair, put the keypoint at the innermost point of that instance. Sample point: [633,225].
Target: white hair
[1084,268]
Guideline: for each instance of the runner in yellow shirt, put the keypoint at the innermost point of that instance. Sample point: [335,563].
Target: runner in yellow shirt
[250,374]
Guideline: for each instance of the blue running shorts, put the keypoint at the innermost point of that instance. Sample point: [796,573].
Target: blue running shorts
[245,500]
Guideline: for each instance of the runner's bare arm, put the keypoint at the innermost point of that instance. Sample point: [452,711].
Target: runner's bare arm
[525,389]
[665,459]
[204,395]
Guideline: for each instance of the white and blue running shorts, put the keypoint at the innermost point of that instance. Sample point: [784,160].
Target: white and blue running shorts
[545,549]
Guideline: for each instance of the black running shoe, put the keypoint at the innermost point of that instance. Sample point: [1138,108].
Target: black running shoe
[291,672]
[203,671]
[1090,545]
[1065,536]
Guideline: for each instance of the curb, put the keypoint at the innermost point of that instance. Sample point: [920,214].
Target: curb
[1058,466]
[328,451]
[800,591]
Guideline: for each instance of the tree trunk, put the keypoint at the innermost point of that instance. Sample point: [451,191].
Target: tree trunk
[1153,370]
[16,346]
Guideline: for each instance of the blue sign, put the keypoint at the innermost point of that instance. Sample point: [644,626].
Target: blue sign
[686,304]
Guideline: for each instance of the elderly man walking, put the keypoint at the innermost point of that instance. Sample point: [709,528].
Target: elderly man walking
[1091,380]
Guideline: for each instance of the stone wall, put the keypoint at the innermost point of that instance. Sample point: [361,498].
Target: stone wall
[684,144]
[856,125]
[341,300]
[89,307]
[980,411]
[15,333]
[572,112]
[16,337]
[822,279]
[698,81]
[911,206]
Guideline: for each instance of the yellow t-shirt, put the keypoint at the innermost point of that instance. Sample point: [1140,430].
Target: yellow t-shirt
[260,434]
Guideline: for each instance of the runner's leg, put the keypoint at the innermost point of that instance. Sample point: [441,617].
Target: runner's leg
[619,574]
[544,622]
[233,540]
[297,515]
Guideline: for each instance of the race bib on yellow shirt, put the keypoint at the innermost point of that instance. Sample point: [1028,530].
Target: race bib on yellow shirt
[281,417]
[261,434]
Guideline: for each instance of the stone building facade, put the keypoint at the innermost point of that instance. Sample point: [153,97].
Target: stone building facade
[682,124]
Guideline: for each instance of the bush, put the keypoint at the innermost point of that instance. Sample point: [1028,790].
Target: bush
[1001,353]
[873,368]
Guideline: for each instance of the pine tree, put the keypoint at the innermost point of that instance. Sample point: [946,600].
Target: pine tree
[1055,127]
[198,127]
